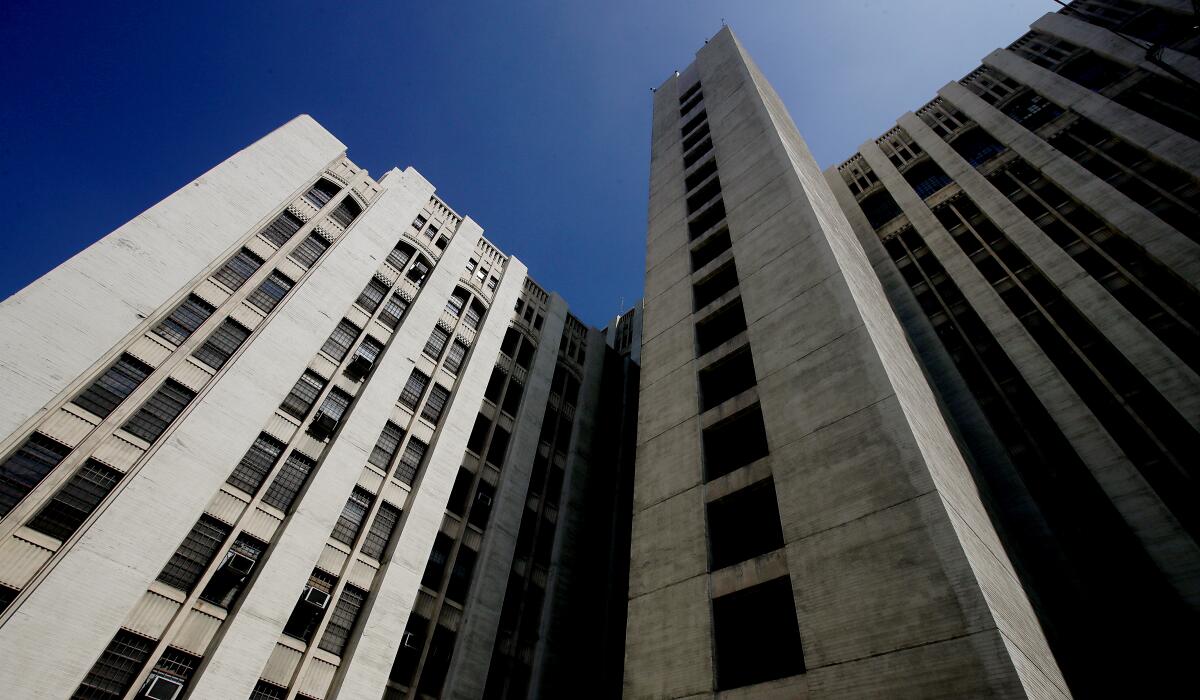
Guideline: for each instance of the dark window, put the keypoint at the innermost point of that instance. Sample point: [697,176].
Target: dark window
[419,222]
[720,326]
[693,123]
[221,345]
[26,468]
[879,207]
[498,446]
[268,691]
[703,196]
[256,464]
[976,146]
[335,404]
[700,174]
[509,345]
[713,286]
[495,385]
[687,94]
[372,294]
[393,311]
[320,193]
[414,389]
[410,462]
[386,446]
[418,272]
[437,342]
[694,138]
[159,411]
[346,211]
[454,360]
[270,292]
[194,555]
[927,178]
[400,256]
[289,481]
[310,608]
[458,299]
[691,104]
[734,443]
[282,229]
[457,503]
[76,500]
[711,249]
[727,378]
[239,269]
[303,395]
[744,525]
[118,666]
[112,387]
[438,396]
[309,250]
[350,521]
[435,568]
[341,339]
[380,532]
[175,666]
[232,575]
[460,575]
[364,358]
[479,433]
[525,355]
[512,397]
[756,635]
[7,595]
[481,508]
[343,619]
[185,319]
[474,315]
[706,219]
[695,154]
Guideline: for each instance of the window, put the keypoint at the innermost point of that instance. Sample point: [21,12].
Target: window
[756,635]
[700,174]
[457,503]
[311,606]
[112,387]
[718,327]
[7,595]
[734,442]
[289,481]
[350,521]
[727,378]
[160,410]
[393,311]
[479,433]
[419,222]
[512,397]
[417,273]
[474,316]
[303,395]
[238,269]
[492,282]
[174,666]
[879,207]
[710,249]
[715,285]
[481,273]
[400,256]
[435,568]
[335,404]
[309,250]
[343,619]
[26,468]
[431,231]
[320,193]
[381,530]
[340,340]
[512,337]
[525,355]
[460,575]
[372,294]
[270,292]
[456,302]
[118,666]
[185,319]
[498,446]
[437,342]
[706,219]
[701,197]
[76,500]
[268,691]
[410,463]
[472,264]
[194,555]
[744,525]
[346,211]
[282,229]
[436,403]
[221,345]
[454,359]
[256,464]
[414,389]
[386,446]
[481,509]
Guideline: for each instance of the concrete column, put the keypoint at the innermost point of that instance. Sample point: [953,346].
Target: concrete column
[1113,47]
[1161,141]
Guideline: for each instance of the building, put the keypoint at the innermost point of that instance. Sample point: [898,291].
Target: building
[295,432]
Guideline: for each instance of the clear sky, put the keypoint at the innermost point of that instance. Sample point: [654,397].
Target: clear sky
[531,117]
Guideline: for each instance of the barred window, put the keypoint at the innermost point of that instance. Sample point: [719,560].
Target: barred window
[393,311]
[194,555]
[414,454]
[76,500]
[350,521]
[7,595]
[335,404]
[419,222]
[381,530]
[159,411]
[303,395]
[454,360]
[256,464]
[239,268]
[309,249]
[305,617]
[400,256]
[112,387]
[457,301]
[289,481]
[26,468]
[185,319]
[437,342]
[221,345]
[414,389]
[435,404]
[321,192]
[341,339]
[282,229]
[474,316]
[268,691]
[270,292]
[343,619]
[431,232]
[177,664]
[369,349]
[386,446]
[346,211]
[114,672]
[372,294]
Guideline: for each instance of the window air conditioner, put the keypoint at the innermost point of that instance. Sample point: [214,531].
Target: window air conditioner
[323,425]
[484,499]
[407,641]
[316,597]
[359,366]
[238,563]
[161,687]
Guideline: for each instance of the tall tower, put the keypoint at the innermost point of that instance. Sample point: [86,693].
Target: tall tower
[804,522]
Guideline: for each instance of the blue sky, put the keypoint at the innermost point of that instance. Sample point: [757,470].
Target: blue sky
[530,117]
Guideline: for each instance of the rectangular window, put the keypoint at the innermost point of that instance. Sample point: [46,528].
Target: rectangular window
[720,326]
[705,220]
[479,434]
[512,397]
[474,316]
[756,635]
[238,269]
[289,481]
[174,667]
[341,339]
[372,294]
[381,531]
[436,343]
[159,411]
[436,403]
[727,378]
[335,404]
[430,232]
[76,500]
[460,575]
[268,691]
[498,446]
[346,211]
[185,319]
[481,509]
[343,619]
[393,311]
[456,302]
[410,463]
[309,250]
[350,521]
[418,272]
[26,468]
[310,608]
[282,229]
[744,525]
[303,395]
[221,345]
[734,442]
[386,446]
[194,555]
[435,567]
[400,256]
[715,285]
[454,360]
[118,666]
[112,387]
[270,292]
[419,222]
[256,464]
[414,389]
